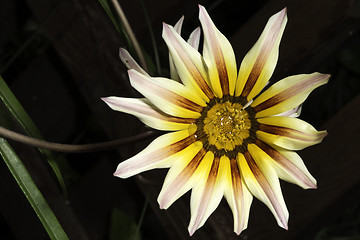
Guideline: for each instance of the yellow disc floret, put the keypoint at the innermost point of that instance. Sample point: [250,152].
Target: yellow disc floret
[227,125]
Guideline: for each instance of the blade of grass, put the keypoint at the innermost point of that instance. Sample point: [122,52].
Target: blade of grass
[152,37]
[124,29]
[32,193]
[29,126]
[118,26]
[130,33]
[106,7]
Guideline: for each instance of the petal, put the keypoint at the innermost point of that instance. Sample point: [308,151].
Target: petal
[287,94]
[219,57]
[159,154]
[287,164]
[183,175]
[287,132]
[148,113]
[173,73]
[194,38]
[188,63]
[168,95]
[206,195]
[259,63]
[238,197]
[129,61]
[262,181]
[295,112]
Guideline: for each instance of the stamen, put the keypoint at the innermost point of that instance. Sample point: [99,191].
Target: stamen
[225,126]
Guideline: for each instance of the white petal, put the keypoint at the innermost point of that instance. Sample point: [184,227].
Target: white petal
[147,113]
[183,175]
[207,194]
[219,57]
[287,94]
[194,38]
[188,62]
[238,197]
[263,183]
[259,63]
[287,164]
[173,73]
[288,132]
[159,154]
[168,95]
[129,61]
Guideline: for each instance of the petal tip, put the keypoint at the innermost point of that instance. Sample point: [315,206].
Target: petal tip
[133,74]
[122,51]
[161,202]
[282,222]
[120,173]
[323,77]
[322,134]
[327,76]
[162,205]
[191,231]
[108,100]
[166,29]
[286,227]
[165,26]
[202,10]
[116,174]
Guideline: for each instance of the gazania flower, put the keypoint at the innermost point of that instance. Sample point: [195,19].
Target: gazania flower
[227,137]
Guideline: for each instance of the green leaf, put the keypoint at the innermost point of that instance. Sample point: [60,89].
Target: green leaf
[106,7]
[123,226]
[29,126]
[118,25]
[152,37]
[32,193]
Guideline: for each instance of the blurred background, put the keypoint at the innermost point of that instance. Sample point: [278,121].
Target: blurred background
[59,57]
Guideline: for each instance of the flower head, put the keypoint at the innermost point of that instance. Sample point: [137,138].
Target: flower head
[227,137]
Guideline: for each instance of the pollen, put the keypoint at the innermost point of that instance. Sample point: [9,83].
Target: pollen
[226,125]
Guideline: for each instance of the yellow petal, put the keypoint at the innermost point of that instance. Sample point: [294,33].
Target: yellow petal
[219,57]
[173,73]
[259,63]
[238,196]
[287,94]
[188,63]
[288,132]
[288,165]
[159,154]
[183,175]
[263,183]
[168,95]
[207,194]
[147,113]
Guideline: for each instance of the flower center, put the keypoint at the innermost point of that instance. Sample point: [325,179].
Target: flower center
[227,125]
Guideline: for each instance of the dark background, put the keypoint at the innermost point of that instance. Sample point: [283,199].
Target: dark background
[60,57]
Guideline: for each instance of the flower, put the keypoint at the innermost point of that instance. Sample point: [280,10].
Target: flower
[228,137]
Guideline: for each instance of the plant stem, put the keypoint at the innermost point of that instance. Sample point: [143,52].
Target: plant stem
[131,34]
[70,148]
